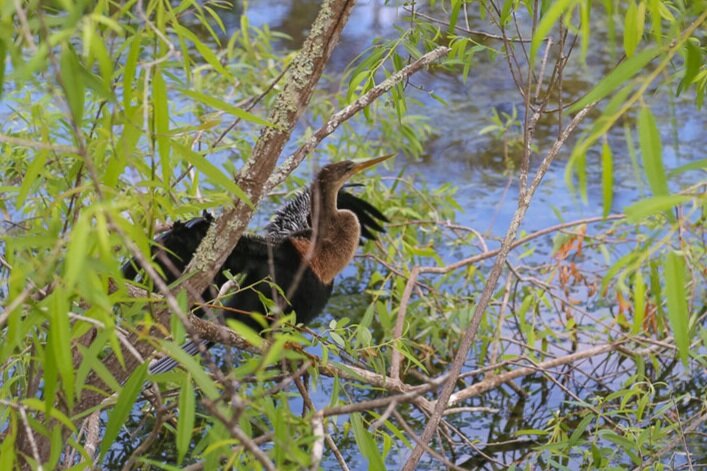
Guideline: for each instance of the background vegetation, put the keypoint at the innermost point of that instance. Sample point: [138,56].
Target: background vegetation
[581,345]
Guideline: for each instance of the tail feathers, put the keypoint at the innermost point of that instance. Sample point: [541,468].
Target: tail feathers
[167,363]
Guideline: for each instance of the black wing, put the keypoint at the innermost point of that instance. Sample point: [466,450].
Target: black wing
[295,215]
[174,248]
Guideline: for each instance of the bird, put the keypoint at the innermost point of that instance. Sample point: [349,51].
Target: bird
[309,241]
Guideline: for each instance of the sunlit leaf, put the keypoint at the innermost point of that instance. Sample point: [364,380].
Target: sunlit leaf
[623,72]
[547,22]
[227,107]
[202,164]
[607,176]
[652,152]
[161,117]
[651,206]
[366,443]
[185,425]
[693,63]
[73,85]
[123,405]
[60,340]
[205,383]
[639,302]
[678,314]
[634,23]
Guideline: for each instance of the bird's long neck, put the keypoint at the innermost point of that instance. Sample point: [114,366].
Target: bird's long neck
[335,233]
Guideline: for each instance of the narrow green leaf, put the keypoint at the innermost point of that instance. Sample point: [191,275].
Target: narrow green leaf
[366,443]
[185,425]
[3,53]
[454,16]
[633,26]
[129,70]
[38,405]
[639,302]
[580,428]
[650,206]
[212,172]
[693,64]
[77,251]
[652,152]
[607,176]
[161,119]
[189,363]
[585,23]
[694,165]
[617,77]
[674,273]
[505,15]
[73,85]
[7,446]
[123,406]
[60,339]
[227,107]
[30,176]
[546,24]
[205,51]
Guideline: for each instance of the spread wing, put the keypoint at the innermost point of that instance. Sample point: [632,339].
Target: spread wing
[295,215]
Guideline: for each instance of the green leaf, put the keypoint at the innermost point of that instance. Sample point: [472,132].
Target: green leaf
[617,77]
[227,107]
[77,251]
[607,176]
[123,406]
[547,23]
[674,273]
[161,119]
[7,446]
[634,23]
[693,64]
[650,206]
[129,70]
[185,425]
[38,405]
[73,85]
[366,443]
[30,176]
[454,16]
[580,428]
[639,302]
[695,165]
[3,53]
[204,50]
[652,152]
[60,340]
[189,363]
[202,164]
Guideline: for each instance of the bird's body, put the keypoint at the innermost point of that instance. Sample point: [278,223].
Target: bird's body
[308,242]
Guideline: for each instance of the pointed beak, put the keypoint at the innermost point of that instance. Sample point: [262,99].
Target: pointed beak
[369,163]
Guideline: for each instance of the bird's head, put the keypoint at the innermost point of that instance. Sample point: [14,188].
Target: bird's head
[333,176]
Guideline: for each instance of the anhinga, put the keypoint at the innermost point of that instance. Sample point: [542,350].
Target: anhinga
[309,241]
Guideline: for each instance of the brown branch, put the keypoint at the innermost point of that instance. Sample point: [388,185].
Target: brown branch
[497,380]
[417,271]
[339,117]
[470,334]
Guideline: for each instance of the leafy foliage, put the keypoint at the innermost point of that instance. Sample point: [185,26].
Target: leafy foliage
[119,119]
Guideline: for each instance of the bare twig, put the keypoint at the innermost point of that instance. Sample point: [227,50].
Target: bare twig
[339,117]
